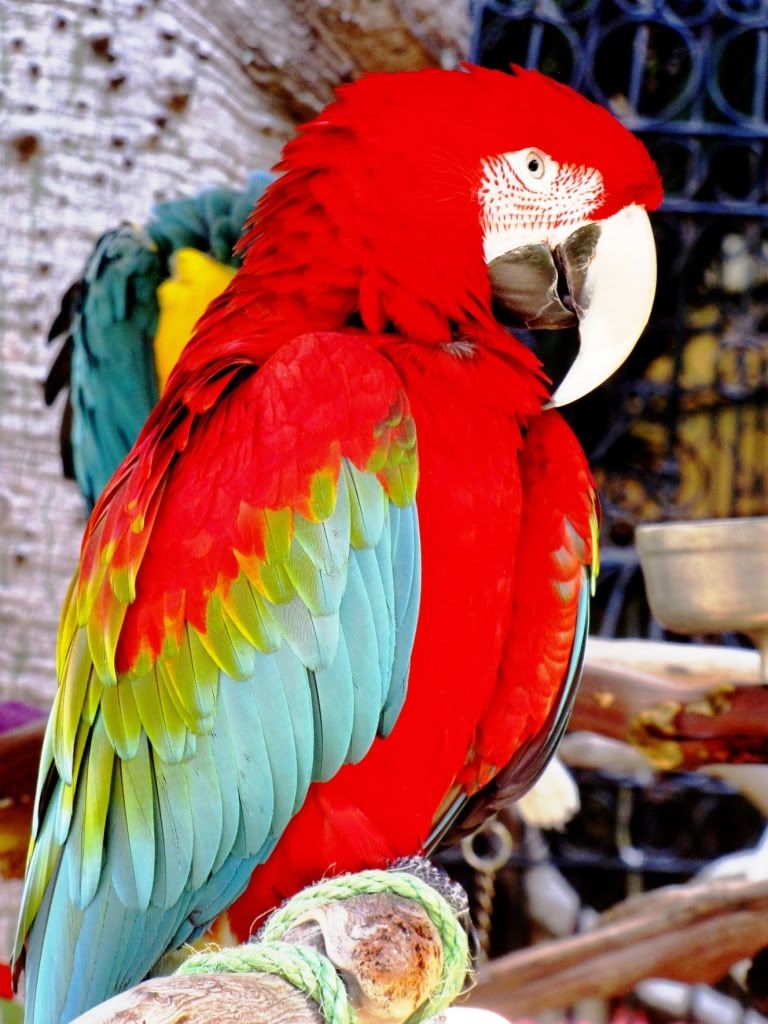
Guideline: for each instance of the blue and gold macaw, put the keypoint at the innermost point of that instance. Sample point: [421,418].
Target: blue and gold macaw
[126,320]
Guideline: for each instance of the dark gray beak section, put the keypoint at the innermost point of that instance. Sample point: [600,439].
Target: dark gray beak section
[543,288]
[600,279]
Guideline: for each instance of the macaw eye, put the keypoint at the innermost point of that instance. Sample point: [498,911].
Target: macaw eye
[534,163]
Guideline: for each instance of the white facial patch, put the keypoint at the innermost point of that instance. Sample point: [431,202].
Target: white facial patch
[527,197]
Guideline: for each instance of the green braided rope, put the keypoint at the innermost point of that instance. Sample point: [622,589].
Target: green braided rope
[307,970]
[313,973]
[452,935]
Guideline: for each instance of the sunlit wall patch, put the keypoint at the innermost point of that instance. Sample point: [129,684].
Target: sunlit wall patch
[526,195]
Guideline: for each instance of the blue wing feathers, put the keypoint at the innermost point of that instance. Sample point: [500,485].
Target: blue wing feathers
[42,937]
[313,639]
[131,929]
[381,618]
[298,696]
[174,829]
[359,624]
[255,786]
[334,709]
[406,565]
[226,773]
[207,812]
[319,589]
[138,797]
[97,932]
[62,933]
[121,866]
[385,552]
[219,892]
[274,712]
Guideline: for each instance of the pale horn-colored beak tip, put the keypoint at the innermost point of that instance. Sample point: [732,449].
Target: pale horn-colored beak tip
[616,302]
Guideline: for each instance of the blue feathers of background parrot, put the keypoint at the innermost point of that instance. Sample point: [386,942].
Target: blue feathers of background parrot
[108,321]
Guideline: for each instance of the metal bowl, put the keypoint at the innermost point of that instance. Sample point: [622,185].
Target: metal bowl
[707,576]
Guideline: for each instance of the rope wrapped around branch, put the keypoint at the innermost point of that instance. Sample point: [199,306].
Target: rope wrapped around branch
[314,973]
[310,972]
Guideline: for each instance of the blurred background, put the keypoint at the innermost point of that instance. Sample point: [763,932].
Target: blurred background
[111,107]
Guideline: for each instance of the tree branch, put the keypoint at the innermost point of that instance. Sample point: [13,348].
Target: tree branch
[225,998]
[681,706]
[690,933]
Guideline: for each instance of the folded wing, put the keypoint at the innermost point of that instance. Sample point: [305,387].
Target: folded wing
[240,627]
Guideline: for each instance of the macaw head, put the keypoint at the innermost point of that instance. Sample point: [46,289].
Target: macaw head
[436,203]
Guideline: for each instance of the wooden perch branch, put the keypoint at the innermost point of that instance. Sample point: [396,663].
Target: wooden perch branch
[691,933]
[227,998]
[681,706]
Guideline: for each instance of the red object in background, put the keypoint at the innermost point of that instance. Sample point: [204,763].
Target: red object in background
[6,990]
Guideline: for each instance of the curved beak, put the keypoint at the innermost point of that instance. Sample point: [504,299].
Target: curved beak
[601,277]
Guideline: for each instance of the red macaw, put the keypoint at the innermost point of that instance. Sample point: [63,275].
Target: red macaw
[338,590]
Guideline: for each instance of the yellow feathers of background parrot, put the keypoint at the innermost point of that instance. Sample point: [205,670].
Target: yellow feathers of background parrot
[195,280]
